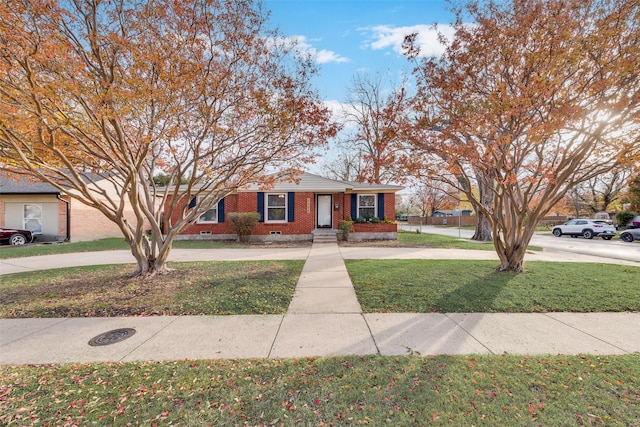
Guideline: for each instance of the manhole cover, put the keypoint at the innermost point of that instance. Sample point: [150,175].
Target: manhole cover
[112,337]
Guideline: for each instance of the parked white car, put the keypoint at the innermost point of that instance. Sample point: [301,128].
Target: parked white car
[587,228]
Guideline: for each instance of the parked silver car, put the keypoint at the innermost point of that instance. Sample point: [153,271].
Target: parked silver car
[630,235]
[587,228]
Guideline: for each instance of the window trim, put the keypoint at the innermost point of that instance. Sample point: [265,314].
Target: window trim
[39,219]
[217,208]
[267,207]
[374,207]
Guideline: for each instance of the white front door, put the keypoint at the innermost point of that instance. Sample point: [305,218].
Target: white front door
[324,211]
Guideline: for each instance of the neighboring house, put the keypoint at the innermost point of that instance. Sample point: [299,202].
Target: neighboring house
[294,210]
[452,212]
[35,206]
[48,213]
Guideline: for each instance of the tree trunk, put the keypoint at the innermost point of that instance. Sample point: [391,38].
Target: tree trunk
[511,247]
[483,229]
[512,263]
[151,256]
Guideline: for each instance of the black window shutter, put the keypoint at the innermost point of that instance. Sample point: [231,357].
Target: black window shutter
[192,203]
[221,210]
[261,206]
[381,205]
[354,206]
[290,206]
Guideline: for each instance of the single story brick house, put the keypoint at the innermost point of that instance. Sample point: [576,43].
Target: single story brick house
[51,215]
[295,210]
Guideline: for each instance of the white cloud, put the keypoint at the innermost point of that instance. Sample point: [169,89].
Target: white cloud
[324,56]
[321,56]
[338,111]
[387,37]
[336,107]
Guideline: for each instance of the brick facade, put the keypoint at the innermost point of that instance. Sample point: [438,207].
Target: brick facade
[303,224]
[301,218]
[62,220]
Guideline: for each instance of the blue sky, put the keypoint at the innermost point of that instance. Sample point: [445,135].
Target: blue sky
[350,36]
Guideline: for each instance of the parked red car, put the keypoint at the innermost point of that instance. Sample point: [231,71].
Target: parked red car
[15,237]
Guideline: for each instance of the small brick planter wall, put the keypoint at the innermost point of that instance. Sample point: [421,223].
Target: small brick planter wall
[374,228]
[371,231]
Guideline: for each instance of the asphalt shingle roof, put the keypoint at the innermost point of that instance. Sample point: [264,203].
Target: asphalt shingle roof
[17,184]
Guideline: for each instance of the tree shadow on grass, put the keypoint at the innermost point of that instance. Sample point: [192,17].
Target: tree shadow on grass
[474,295]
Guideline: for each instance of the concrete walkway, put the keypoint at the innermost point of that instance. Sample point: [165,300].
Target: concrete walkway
[323,319]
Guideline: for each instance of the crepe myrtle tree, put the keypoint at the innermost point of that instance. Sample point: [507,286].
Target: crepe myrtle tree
[532,99]
[98,97]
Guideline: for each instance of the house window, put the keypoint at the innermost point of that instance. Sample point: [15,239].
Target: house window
[210,216]
[276,207]
[32,218]
[366,206]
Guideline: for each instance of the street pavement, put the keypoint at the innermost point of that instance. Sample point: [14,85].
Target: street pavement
[597,247]
[324,319]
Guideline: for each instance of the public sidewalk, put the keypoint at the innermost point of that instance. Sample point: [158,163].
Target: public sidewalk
[323,319]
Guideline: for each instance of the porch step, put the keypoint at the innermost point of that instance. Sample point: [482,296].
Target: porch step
[325,236]
[325,239]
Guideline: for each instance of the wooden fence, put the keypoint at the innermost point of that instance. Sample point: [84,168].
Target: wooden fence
[452,221]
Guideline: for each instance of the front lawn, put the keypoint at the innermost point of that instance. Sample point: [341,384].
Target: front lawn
[448,286]
[427,240]
[37,249]
[424,240]
[401,391]
[439,241]
[405,239]
[207,288]
[266,287]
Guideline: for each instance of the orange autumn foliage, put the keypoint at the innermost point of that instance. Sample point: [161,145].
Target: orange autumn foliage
[123,90]
[530,100]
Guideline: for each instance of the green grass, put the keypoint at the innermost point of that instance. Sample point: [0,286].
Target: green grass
[425,286]
[111,244]
[405,238]
[62,248]
[207,288]
[373,390]
[440,241]
[266,287]
[424,240]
